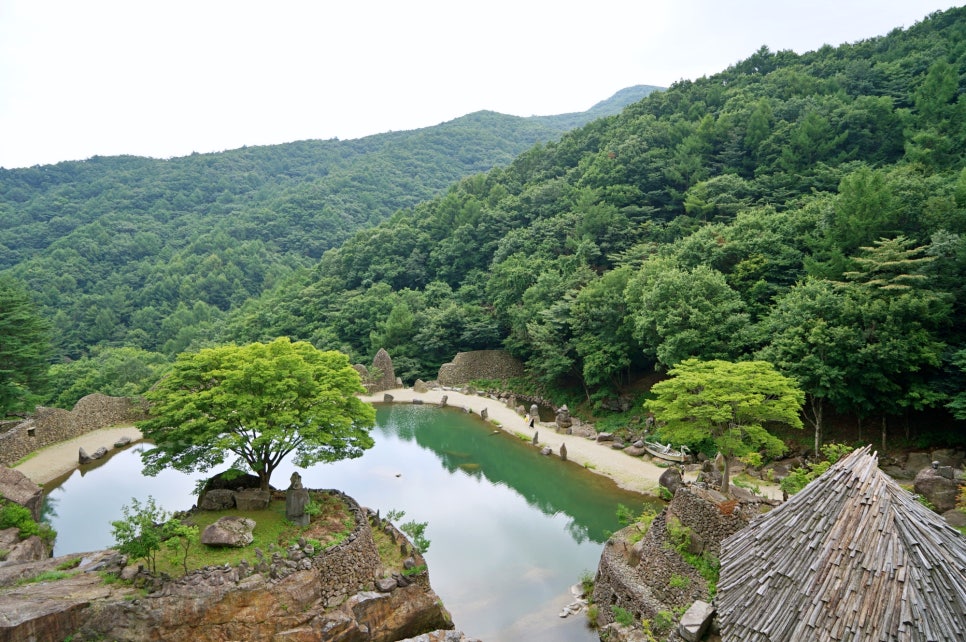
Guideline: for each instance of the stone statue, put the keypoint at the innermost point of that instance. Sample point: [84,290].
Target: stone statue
[296,481]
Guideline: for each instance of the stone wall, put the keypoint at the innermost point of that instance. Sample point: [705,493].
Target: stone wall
[50,426]
[349,567]
[479,364]
[636,576]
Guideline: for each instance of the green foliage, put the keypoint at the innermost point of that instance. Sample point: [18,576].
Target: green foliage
[728,402]
[417,534]
[259,402]
[13,515]
[141,533]
[178,537]
[679,581]
[622,616]
[799,477]
[24,349]
[117,372]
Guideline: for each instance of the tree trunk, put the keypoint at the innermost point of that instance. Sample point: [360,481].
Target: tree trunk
[726,477]
[264,480]
[818,407]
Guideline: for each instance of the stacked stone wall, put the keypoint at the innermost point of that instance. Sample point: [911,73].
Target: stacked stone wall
[710,516]
[352,565]
[50,426]
[479,364]
[637,576]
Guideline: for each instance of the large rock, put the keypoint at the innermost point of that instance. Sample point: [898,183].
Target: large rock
[320,601]
[671,479]
[695,621]
[229,531]
[217,499]
[18,550]
[382,368]
[17,487]
[939,490]
[252,499]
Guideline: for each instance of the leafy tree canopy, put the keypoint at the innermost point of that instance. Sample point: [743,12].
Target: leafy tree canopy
[259,402]
[24,347]
[727,402]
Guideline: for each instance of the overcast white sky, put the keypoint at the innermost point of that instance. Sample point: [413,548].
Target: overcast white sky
[166,78]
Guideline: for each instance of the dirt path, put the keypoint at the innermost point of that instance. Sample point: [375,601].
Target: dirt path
[53,461]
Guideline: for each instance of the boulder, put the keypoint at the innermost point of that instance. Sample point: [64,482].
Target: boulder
[229,531]
[695,621]
[252,499]
[420,386]
[99,453]
[955,518]
[605,436]
[217,499]
[938,490]
[82,456]
[122,442]
[671,479]
[18,551]
[917,461]
[17,487]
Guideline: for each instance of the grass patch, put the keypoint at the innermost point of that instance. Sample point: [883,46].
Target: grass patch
[69,564]
[46,576]
[330,525]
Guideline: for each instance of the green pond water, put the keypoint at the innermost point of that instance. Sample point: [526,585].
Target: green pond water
[510,530]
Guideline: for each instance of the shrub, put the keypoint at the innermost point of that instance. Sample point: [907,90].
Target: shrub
[622,616]
[416,532]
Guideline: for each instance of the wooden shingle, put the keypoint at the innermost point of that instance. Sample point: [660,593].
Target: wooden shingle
[852,557]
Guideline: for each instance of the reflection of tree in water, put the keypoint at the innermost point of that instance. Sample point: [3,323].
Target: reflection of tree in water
[548,484]
[48,509]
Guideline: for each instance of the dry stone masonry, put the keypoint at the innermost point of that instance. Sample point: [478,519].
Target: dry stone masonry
[50,426]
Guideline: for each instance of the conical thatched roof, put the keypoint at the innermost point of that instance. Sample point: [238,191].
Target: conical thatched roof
[851,557]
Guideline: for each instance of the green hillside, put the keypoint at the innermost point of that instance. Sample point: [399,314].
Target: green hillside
[804,209]
[149,254]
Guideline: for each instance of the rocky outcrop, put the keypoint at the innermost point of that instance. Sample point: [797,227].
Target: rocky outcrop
[290,598]
[17,488]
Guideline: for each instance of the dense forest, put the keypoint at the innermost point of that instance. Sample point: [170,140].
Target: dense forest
[803,209]
[150,254]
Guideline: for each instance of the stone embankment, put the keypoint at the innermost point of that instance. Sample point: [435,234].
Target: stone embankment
[48,426]
[342,594]
[645,573]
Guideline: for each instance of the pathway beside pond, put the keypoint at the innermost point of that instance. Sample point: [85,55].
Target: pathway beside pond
[55,461]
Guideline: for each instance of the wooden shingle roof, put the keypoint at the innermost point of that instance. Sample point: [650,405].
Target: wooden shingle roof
[852,557]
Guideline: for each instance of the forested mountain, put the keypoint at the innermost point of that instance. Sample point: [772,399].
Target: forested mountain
[149,254]
[804,209]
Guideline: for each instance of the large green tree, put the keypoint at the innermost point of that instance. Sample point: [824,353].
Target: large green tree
[729,403]
[259,402]
[24,349]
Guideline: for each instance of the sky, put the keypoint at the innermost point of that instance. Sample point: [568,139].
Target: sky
[80,78]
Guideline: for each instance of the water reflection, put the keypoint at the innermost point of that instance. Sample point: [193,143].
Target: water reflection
[511,530]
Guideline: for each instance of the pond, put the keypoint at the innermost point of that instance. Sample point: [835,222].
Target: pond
[510,530]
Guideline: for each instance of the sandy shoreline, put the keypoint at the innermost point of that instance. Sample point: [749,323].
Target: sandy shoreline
[54,461]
